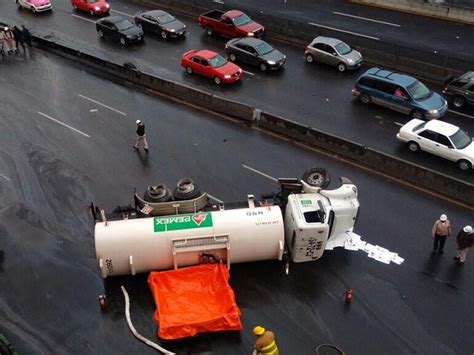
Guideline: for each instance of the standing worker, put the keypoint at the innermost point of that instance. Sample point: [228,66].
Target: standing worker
[141,136]
[26,35]
[440,231]
[265,342]
[19,39]
[465,240]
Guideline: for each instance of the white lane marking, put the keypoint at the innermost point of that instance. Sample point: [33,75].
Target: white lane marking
[398,124]
[344,31]
[259,172]
[5,177]
[367,19]
[104,105]
[215,198]
[82,18]
[64,124]
[247,72]
[219,2]
[122,13]
[460,114]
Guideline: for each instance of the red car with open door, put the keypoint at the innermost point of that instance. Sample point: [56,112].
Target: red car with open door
[93,7]
[211,64]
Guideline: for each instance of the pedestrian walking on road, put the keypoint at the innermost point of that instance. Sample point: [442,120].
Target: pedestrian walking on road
[141,136]
[465,240]
[26,35]
[440,231]
[265,343]
[19,39]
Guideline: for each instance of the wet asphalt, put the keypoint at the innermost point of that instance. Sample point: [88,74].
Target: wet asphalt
[48,275]
[313,94]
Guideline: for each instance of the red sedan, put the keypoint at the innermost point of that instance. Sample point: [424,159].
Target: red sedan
[212,65]
[94,7]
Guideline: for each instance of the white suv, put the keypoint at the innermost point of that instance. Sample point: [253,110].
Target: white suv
[439,138]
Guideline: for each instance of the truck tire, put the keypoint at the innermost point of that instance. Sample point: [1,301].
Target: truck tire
[317,177]
[209,31]
[186,190]
[158,193]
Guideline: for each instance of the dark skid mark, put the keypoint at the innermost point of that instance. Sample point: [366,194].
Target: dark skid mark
[64,186]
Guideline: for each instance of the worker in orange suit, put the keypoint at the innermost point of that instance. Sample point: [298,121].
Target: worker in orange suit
[265,342]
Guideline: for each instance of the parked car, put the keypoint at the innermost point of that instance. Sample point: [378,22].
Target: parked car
[120,29]
[439,138]
[232,24]
[160,22]
[212,65]
[460,90]
[93,7]
[35,5]
[399,92]
[256,52]
[334,52]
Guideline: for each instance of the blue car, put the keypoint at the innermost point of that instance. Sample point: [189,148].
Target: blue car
[399,92]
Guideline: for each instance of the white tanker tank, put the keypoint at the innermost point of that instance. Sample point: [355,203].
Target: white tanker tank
[305,220]
[156,243]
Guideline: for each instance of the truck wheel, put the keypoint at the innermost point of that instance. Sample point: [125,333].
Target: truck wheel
[317,177]
[464,165]
[186,190]
[459,101]
[158,193]
[209,31]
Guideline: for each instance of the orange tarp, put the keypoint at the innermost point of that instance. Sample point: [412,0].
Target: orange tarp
[192,300]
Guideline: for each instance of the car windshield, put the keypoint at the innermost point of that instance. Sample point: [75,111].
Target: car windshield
[166,18]
[343,48]
[264,48]
[217,61]
[241,20]
[460,139]
[123,25]
[419,126]
[419,91]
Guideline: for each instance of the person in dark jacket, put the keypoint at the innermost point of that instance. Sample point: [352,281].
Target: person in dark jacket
[141,136]
[19,39]
[465,240]
[26,35]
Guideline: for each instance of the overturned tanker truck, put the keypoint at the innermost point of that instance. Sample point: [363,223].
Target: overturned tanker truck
[297,223]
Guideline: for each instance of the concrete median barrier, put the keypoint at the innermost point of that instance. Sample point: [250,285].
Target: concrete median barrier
[354,152]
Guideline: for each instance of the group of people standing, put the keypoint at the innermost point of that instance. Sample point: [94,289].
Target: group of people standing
[11,39]
[442,230]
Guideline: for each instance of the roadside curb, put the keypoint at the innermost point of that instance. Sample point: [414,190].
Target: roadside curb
[391,167]
[395,7]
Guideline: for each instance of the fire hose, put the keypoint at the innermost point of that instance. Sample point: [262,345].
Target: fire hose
[134,331]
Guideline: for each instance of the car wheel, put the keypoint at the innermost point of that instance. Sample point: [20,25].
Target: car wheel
[341,67]
[464,165]
[100,33]
[263,67]
[309,58]
[232,57]
[413,146]
[91,12]
[217,80]
[209,31]
[140,25]
[33,10]
[164,35]
[459,101]
[317,177]
[189,70]
[365,99]
[122,41]
[74,6]
[418,115]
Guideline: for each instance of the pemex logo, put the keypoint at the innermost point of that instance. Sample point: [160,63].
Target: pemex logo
[182,221]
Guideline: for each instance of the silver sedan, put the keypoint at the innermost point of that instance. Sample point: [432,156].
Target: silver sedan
[333,52]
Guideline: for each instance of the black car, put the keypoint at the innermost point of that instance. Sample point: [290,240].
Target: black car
[119,28]
[460,90]
[160,22]
[254,51]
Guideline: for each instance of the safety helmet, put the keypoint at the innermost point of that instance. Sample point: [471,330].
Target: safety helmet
[138,121]
[443,217]
[467,229]
[258,330]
